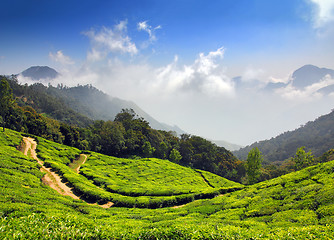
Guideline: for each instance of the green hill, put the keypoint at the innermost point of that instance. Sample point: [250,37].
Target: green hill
[127,136]
[317,136]
[78,105]
[294,206]
[147,182]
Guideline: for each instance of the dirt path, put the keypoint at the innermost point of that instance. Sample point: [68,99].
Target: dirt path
[76,164]
[179,206]
[51,178]
[83,162]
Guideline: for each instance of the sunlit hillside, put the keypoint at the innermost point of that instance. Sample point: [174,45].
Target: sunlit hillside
[294,206]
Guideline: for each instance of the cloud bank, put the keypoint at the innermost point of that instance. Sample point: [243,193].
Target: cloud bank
[323,12]
[200,97]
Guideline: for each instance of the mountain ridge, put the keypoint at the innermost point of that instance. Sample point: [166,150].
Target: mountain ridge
[95,101]
[317,136]
[309,74]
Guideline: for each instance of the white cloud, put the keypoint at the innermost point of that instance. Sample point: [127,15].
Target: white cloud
[253,74]
[309,93]
[205,76]
[59,57]
[143,26]
[206,63]
[95,55]
[110,40]
[119,78]
[324,12]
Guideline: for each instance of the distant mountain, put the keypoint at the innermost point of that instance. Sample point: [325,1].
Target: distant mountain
[38,97]
[95,104]
[86,101]
[309,74]
[40,72]
[306,76]
[227,145]
[317,136]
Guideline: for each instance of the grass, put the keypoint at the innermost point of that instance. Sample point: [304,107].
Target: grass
[149,177]
[144,183]
[294,206]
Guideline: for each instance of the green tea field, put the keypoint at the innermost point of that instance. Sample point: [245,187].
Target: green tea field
[153,199]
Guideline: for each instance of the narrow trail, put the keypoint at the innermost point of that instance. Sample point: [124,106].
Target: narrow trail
[83,162]
[51,178]
[77,163]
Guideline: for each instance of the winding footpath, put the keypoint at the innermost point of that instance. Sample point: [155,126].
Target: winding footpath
[51,178]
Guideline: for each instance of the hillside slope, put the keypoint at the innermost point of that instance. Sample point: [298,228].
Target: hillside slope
[295,206]
[146,182]
[38,97]
[87,100]
[317,136]
[95,104]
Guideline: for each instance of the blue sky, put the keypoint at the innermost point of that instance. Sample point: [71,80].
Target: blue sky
[244,28]
[178,59]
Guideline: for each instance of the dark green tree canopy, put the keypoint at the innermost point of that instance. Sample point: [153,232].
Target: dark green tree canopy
[253,165]
[302,159]
[6,101]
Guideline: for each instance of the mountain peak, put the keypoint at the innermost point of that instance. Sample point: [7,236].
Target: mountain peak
[40,72]
[309,74]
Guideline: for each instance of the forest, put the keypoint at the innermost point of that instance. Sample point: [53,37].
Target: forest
[128,135]
[316,136]
[32,109]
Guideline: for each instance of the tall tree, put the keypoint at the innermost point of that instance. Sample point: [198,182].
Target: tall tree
[6,101]
[148,150]
[253,165]
[302,159]
[162,150]
[175,156]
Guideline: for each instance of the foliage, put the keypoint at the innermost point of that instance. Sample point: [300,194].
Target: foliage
[253,165]
[6,101]
[148,150]
[128,135]
[317,136]
[175,156]
[298,205]
[127,182]
[302,159]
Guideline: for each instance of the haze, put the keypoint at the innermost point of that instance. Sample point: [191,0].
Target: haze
[202,65]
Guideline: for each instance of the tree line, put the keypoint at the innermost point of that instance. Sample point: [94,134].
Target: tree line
[317,136]
[128,135]
[131,136]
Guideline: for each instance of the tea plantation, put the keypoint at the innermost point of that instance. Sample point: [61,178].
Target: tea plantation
[155,199]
